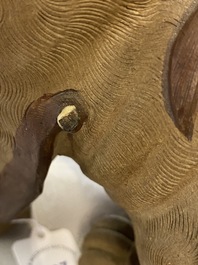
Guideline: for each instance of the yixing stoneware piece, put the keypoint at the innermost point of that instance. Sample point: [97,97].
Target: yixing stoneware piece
[120,78]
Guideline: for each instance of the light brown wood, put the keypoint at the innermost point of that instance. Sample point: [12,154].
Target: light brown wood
[115,54]
[109,242]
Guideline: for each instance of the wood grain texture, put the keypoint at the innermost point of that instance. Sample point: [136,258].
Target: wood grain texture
[184,77]
[108,242]
[114,54]
[25,174]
